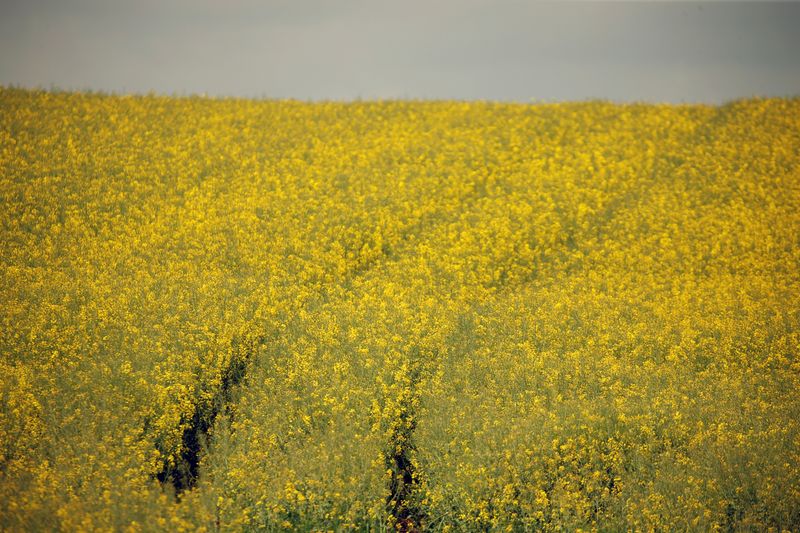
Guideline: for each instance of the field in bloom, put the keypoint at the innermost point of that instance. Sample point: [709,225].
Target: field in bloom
[241,315]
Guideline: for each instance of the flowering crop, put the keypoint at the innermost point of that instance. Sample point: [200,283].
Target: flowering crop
[240,315]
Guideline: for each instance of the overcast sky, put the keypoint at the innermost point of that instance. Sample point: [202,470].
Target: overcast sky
[465,49]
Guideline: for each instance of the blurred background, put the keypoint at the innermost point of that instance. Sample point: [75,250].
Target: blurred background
[468,49]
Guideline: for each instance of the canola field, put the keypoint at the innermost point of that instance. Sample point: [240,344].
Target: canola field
[240,315]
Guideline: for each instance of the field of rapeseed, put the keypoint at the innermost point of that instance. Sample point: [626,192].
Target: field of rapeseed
[240,315]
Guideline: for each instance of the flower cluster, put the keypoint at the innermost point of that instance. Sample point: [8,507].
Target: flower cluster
[239,315]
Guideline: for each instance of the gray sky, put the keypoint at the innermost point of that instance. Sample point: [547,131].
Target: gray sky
[466,49]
